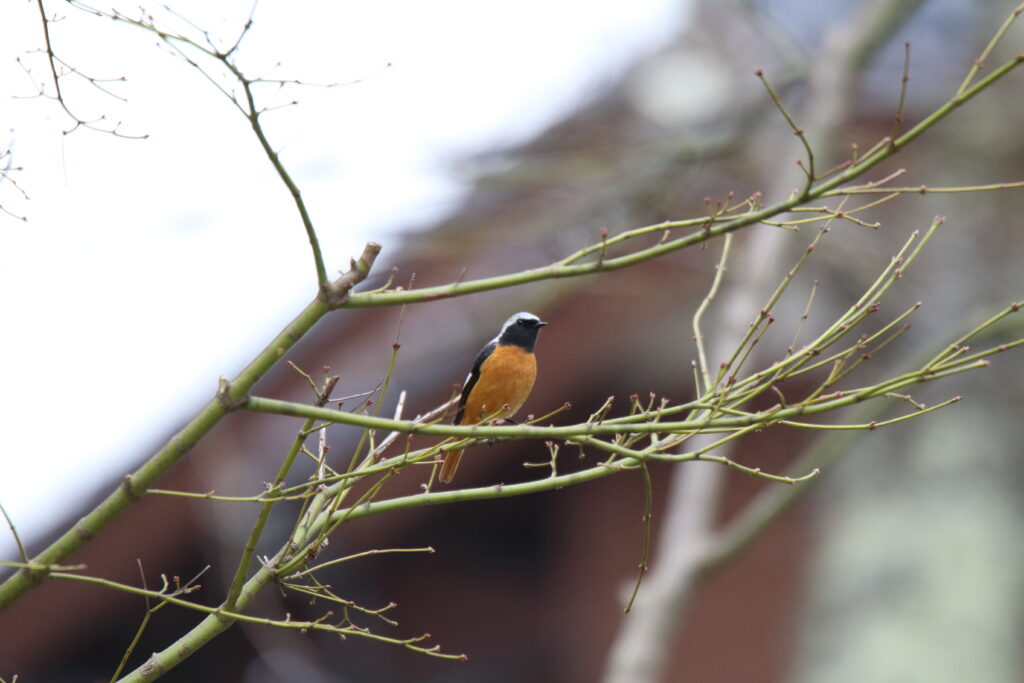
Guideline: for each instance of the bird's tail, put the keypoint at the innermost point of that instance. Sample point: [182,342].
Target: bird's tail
[448,467]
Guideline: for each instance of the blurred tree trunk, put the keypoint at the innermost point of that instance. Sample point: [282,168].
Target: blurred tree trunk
[640,652]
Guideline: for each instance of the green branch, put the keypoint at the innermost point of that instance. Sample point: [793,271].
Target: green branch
[767,417]
[253,115]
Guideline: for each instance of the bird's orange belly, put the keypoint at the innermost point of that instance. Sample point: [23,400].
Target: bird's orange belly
[506,378]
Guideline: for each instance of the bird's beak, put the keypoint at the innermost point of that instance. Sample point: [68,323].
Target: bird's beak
[541,323]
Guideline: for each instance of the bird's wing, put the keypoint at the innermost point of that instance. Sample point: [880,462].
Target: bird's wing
[474,375]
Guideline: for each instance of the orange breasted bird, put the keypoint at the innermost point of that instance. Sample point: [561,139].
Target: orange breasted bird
[500,380]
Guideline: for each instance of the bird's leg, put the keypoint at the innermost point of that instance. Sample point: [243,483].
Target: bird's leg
[498,421]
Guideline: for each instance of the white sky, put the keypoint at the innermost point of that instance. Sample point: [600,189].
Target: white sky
[147,269]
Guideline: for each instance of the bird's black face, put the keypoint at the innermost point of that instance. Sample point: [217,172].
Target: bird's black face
[521,331]
[530,323]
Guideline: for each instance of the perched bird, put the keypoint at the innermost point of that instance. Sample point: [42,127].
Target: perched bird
[500,380]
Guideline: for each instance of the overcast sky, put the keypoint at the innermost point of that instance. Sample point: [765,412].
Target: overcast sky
[147,269]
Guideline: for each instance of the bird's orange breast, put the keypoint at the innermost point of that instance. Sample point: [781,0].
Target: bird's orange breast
[506,378]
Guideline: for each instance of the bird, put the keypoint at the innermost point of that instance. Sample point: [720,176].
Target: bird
[501,379]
